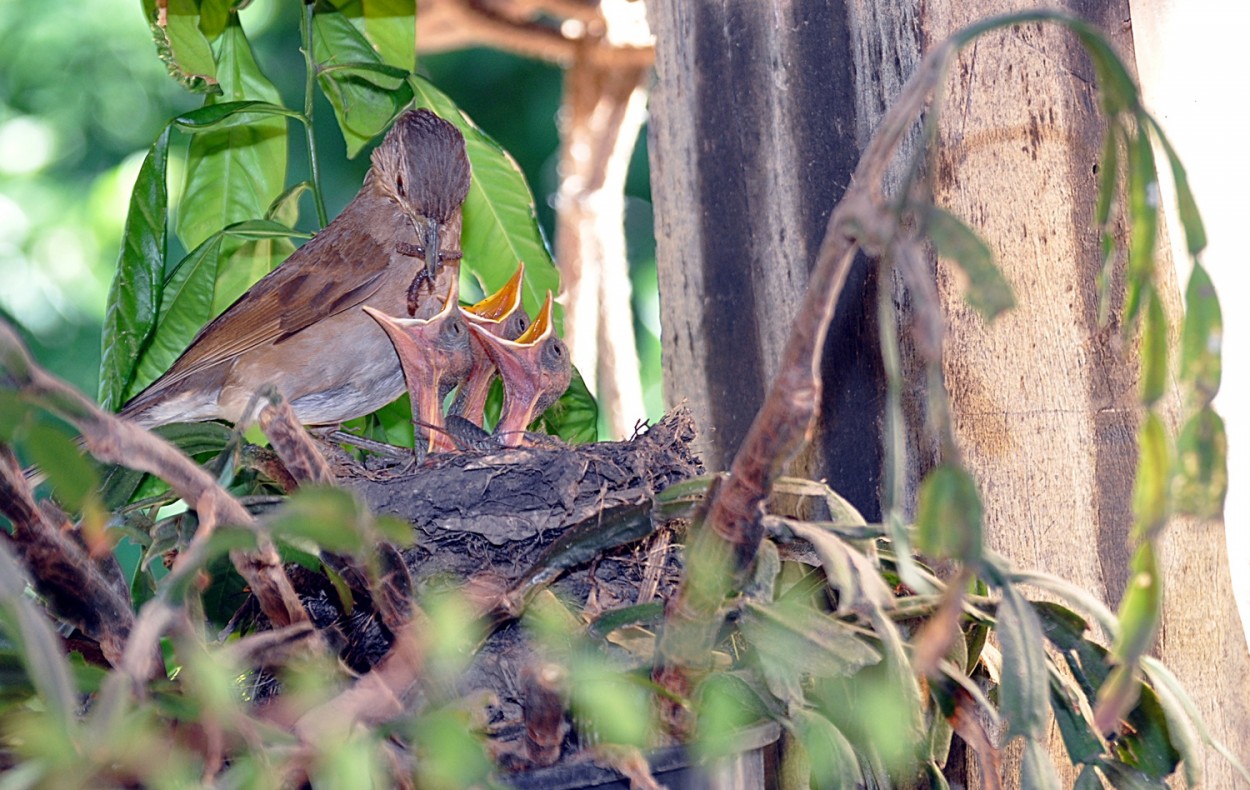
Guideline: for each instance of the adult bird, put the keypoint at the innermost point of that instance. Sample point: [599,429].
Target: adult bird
[535,368]
[301,328]
[501,315]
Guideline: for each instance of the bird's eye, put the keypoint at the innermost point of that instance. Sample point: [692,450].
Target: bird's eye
[399,185]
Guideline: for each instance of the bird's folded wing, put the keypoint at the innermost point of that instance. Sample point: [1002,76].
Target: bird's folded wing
[316,282]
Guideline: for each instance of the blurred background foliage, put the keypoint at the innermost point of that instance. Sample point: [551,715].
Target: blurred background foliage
[83,94]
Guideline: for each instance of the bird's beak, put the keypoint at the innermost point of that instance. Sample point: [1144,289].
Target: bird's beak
[531,372]
[424,364]
[497,307]
[490,314]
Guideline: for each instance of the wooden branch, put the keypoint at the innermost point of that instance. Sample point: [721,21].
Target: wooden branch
[117,441]
[87,593]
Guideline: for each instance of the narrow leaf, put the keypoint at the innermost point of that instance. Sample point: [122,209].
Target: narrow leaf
[500,226]
[29,630]
[135,295]
[1143,205]
[1150,489]
[1141,609]
[1025,688]
[1037,772]
[1200,478]
[1202,337]
[1154,350]
[222,115]
[1191,220]
[988,292]
[948,516]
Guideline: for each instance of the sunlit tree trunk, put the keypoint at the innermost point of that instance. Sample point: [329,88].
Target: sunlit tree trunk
[759,113]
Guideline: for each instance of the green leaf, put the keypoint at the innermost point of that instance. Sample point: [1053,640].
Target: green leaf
[829,754]
[1147,743]
[948,516]
[332,518]
[185,306]
[1202,337]
[1024,691]
[575,416]
[1154,350]
[1079,739]
[73,478]
[221,115]
[1200,478]
[1162,679]
[1143,205]
[28,629]
[1037,772]
[1108,172]
[1088,780]
[1150,489]
[182,45]
[365,93]
[135,295]
[988,292]
[500,226]
[794,641]
[1141,608]
[233,173]
[1191,220]
[391,26]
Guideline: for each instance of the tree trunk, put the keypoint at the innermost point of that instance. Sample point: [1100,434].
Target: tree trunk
[758,115]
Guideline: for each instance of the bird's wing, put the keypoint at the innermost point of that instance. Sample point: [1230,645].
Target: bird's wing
[320,279]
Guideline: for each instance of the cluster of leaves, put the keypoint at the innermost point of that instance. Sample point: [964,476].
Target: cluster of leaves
[868,660]
[237,214]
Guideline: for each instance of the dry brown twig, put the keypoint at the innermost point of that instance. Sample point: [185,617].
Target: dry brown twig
[732,528]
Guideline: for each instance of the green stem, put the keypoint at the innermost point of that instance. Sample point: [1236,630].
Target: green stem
[310,79]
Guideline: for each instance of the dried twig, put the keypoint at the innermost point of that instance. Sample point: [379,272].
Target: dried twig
[117,441]
[732,528]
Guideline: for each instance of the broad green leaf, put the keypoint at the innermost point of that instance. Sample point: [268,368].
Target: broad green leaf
[233,173]
[616,708]
[182,45]
[948,516]
[134,297]
[1147,741]
[364,93]
[391,26]
[500,226]
[268,243]
[1150,489]
[575,416]
[829,754]
[1037,772]
[1025,688]
[215,15]
[1191,220]
[221,115]
[988,292]
[1202,337]
[1200,478]
[1154,350]
[185,306]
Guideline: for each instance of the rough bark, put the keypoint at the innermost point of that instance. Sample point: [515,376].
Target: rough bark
[1044,401]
